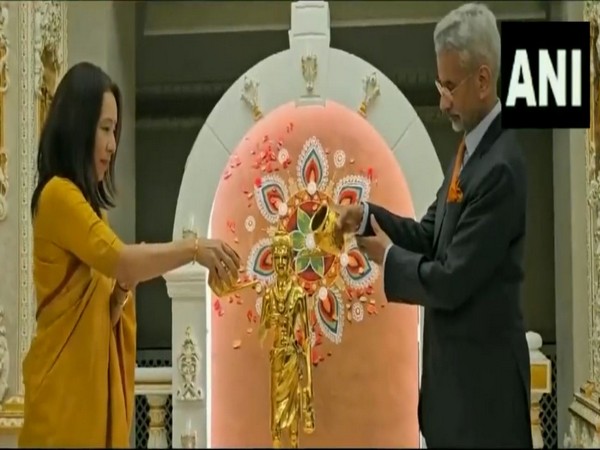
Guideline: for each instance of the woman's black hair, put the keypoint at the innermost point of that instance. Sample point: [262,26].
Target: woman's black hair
[68,137]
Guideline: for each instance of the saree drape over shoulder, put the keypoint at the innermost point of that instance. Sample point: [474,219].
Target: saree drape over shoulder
[79,372]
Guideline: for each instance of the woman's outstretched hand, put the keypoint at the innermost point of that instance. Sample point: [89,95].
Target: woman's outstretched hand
[219,258]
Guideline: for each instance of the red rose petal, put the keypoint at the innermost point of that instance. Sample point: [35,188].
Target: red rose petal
[314,356]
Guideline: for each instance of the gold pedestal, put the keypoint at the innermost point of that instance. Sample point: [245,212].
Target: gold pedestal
[12,414]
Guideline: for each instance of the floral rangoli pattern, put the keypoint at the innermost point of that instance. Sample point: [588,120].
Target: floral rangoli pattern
[337,286]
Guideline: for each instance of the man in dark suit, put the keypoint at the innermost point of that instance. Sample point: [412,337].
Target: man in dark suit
[463,262]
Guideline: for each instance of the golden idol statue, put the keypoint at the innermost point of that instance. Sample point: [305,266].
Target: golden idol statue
[284,310]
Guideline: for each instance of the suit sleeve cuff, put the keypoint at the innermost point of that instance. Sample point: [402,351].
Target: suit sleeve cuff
[365,217]
[385,254]
[401,269]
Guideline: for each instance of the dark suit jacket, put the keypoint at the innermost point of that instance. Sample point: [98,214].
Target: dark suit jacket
[464,263]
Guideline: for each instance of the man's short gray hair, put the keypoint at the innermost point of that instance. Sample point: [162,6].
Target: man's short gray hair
[472,31]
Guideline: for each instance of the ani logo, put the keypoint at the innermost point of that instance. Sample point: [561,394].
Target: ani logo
[338,286]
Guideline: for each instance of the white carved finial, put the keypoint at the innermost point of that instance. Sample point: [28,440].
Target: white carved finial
[4,357]
[250,97]
[370,92]
[534,340]
[309,71]
[188,365]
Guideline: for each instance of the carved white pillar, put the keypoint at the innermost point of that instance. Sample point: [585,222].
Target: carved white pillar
[541,383]
[309,46]
[155,384]
[187,288]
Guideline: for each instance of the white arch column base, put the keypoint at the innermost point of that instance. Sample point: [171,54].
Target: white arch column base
[187,287]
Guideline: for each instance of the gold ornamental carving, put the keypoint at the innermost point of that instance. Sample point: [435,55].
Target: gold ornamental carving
[188,364]
[4,80]
[584,429]
[593,191]
[250,97]
[48,55]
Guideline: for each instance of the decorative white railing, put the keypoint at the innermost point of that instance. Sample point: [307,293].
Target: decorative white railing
[155,384]
[541,383]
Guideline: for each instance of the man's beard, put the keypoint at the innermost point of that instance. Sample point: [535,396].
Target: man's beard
[457,125]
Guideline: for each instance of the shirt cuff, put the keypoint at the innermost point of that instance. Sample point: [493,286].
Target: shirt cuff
[385,254]
[365,217]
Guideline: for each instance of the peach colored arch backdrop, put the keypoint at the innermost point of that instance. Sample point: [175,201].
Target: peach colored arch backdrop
[366,388]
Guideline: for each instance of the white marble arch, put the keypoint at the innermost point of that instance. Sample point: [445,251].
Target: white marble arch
[280,80]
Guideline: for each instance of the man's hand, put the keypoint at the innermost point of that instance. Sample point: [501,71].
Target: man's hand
[349,218]
[374,246]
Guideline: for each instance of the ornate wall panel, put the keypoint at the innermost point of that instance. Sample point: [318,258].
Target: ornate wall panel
[43,45]
[4,46]
[584,430]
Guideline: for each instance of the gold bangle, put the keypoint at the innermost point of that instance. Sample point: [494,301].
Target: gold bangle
[124,302]
[196,248]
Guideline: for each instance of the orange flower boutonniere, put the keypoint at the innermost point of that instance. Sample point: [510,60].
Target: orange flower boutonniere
[455,194]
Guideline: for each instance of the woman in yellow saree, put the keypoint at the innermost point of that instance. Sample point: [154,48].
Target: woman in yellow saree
[79,372]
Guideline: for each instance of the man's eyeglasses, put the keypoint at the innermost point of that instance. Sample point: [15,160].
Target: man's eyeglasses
[449,93]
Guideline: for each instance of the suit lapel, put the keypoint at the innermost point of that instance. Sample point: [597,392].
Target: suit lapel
[490,136]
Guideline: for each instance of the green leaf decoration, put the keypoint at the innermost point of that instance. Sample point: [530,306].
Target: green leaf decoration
[303,221]
[318,264]
[302,262]
[298,240]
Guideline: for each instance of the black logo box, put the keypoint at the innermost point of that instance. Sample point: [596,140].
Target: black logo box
[552,36]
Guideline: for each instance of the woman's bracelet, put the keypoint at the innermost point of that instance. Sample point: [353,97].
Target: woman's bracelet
[127,293]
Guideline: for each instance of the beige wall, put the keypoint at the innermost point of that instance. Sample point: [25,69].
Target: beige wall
[570,242]
[104,33]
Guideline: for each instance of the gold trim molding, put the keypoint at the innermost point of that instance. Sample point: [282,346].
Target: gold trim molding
[4,80]
[584,429]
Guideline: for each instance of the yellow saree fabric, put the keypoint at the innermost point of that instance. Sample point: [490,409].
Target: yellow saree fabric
[79,372]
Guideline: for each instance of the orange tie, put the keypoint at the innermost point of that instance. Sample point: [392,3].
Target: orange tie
[454,192]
